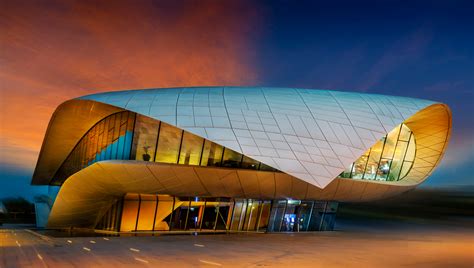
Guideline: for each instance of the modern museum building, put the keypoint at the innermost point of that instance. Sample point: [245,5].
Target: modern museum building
[214,159]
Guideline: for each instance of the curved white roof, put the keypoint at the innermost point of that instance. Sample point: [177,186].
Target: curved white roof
[311,134]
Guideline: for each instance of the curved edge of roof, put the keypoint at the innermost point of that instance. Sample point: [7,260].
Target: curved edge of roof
[63,133]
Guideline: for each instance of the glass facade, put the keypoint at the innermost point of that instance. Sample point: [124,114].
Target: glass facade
[390,159]
[176,146]
[110,138]
[129,136]
[147,212]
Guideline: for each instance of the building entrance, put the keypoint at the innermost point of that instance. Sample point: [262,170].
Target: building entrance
[145,212]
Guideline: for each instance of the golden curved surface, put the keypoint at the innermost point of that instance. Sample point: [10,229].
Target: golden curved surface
[87,194]
[69,122]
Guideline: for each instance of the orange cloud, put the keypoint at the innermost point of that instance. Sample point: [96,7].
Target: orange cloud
[54,51]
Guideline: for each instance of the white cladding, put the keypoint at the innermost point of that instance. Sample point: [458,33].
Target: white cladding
[311,134]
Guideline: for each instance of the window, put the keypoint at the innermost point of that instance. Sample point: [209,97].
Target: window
[168,144]
[231,158]
[212,154]
[191,149]
[144,139]
[108,139]
[390,159]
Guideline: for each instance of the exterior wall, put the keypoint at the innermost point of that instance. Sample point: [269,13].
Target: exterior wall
[309,135]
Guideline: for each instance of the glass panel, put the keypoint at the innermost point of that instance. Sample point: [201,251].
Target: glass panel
[128,136]
[265,167]
[96,145]
[373,161]
[210,216]
[237,214]
[147,212]
[195,211]
[191,149]
[410,155]
[121,142]
[390,143]
[264,216]
[384,169]
[144,139]
[276,216]
[397,161]
[304,211]
[317,216]
[249,163]
[391,158]
[405,133]
[251,216]
[223,214]
[212,154]
[289,219]
[231,158]
[129,213]
[168,144]
[359,166]
[405,169]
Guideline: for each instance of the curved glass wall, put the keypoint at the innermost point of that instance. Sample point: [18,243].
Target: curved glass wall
[129,136]
[109,139]
[390,159]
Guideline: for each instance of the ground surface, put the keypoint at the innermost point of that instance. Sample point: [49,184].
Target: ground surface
[373,244]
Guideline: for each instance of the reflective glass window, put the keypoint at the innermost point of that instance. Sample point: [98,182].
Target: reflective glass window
[397,161]
[212,154]
[390,143]
[145,138]
[104,141]
[358,167]
[373,161]
[237,213]
[404,133]
[385,159]
[168,144]
[231,158]
[191,149]
[249,163]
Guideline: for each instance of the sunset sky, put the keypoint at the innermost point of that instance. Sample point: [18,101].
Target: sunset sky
[52,51]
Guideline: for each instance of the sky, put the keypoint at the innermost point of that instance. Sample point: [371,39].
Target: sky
[52,51]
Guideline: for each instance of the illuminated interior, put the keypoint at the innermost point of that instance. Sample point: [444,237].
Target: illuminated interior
[153,141]
[149,212]
[390,159]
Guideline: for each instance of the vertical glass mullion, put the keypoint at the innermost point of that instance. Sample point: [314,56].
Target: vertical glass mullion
[232,217]
[138,211]
[202,215]
[187,215]
[217,216]
[366,163]
[202,151]
[180,146]
[404,155]
[156,210]
[283,216]
[394,151]
[156,144]
[170,224]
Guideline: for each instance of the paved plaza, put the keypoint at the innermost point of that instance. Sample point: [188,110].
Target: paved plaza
[365,246]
